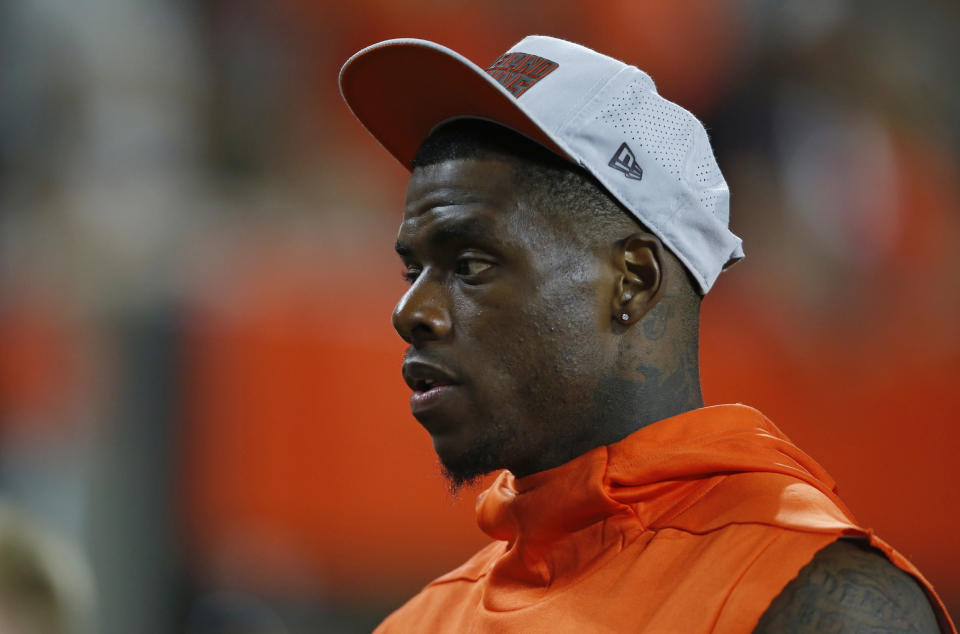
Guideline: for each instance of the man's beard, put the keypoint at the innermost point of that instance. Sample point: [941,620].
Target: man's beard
[488,453]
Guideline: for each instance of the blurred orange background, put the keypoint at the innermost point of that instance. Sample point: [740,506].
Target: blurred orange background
[199,382]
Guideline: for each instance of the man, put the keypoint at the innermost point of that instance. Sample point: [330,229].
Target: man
[562,222]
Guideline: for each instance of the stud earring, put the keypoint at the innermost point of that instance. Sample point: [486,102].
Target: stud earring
[624,316]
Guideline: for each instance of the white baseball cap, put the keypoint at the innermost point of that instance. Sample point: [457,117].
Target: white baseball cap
[653,156]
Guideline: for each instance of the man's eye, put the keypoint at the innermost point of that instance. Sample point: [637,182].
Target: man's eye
[410,274]
[471,266]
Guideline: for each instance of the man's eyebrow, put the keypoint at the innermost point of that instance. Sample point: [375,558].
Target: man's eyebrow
[457,231]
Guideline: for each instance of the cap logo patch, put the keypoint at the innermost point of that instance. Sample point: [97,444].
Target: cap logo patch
[623,160]
[518,72]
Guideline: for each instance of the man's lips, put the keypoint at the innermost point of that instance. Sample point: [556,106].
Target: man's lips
[424,400]
[430,383]
[422,376]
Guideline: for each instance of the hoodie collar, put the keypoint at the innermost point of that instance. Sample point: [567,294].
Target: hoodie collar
[649,476]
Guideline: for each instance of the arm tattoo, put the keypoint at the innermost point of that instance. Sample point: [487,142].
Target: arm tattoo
[850,588]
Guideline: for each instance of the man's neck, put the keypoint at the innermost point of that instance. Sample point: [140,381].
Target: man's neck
[621,407]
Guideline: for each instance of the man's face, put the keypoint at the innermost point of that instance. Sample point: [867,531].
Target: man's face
[508,320]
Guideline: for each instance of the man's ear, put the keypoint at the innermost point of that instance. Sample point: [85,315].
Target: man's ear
[639,263]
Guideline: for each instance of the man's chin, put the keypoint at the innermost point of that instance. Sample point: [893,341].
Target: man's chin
[457,480]
[467,466]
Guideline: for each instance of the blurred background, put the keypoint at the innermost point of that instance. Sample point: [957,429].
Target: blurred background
[203,428]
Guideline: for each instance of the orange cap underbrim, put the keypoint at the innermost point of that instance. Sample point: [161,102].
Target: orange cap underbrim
[400,90]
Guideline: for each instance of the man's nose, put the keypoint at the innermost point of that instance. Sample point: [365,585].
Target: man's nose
[421,314]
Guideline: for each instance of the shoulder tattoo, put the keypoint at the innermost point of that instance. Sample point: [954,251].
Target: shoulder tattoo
[850,588]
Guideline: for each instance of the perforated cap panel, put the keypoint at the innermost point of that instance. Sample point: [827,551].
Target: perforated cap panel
[704,177]
[655,158]
[660,129]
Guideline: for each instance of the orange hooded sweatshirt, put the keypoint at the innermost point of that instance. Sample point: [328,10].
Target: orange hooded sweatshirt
[692,524]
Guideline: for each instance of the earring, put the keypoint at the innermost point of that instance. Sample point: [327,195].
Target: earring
[624,317]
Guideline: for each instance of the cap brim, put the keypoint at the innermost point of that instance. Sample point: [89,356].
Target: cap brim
[401,89]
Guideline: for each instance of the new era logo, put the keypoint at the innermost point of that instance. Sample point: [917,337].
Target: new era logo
[624,161]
